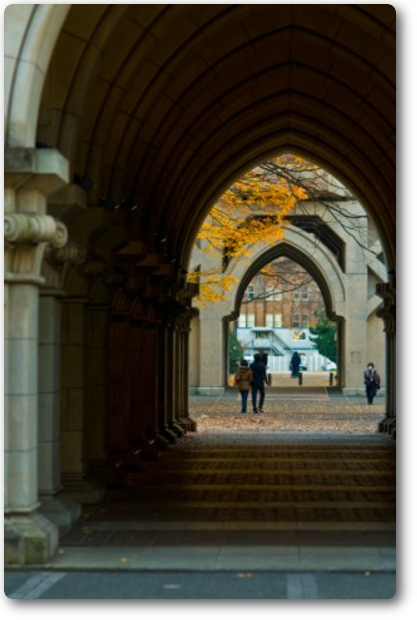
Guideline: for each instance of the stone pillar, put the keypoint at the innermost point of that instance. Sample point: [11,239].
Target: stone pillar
[118,383]
[180,368]
[211,357]
[49,471]
[98,360]
[74,402]
[73,389]
[184,416]
[376,348]
[175,369]
[170,374]
[137,371]
[194,355]
[164,402]
[388,315]
[29,536]
[176,377]
[185,375]
[354,328]
[149,370]
[55,505]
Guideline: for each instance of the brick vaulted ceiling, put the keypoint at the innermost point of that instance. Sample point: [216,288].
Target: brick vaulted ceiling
[170,103]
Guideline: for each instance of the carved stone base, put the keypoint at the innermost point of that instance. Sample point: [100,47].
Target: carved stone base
[169,435]
[177,429]
[388,425]
[61,510]
[391,425]
[29,539]
[382,423]
[189,425]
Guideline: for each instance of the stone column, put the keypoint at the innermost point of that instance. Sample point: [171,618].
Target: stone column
[184,415]
[212,352]
[376,348]
[136,372]
[194,355]
[354,328]
[29,536]
[149,370]
[74,402]
[180,368]
[170,374]
[49,471]
[164,402]
[118,384]
[388,315]
[176,377]
[185,375]
[98,360]
[55,505]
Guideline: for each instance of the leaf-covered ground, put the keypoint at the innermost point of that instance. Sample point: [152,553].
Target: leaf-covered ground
[343,416]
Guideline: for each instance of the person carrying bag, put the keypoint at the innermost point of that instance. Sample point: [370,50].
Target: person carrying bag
[372,382]
[243,380]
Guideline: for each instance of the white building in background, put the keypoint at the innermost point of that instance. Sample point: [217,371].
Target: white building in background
[279,344]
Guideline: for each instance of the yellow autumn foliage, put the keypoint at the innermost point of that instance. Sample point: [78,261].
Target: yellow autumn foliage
[252,210]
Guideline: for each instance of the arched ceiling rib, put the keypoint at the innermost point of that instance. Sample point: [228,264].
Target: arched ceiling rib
[171,102]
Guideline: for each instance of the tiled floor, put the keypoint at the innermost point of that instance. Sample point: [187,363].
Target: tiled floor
[241,490]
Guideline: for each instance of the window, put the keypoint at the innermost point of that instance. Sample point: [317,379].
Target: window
[241,320]
[278,320]
[250,292]
[246,320]
[250,320]
[273,293]
[296,295]
[304,320]
[273,320]
[295,322]
[304,294]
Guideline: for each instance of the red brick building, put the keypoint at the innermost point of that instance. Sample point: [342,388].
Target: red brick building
[290,298]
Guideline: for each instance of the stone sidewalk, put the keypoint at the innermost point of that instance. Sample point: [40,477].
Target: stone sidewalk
[250,497]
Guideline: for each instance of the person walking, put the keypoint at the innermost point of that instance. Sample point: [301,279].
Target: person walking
[264,360]
[295,365]
[263,357]
[372,382]
[258,383]
[243,380]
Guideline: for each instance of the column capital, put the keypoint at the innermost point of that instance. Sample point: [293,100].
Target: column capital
[55,264]
[32,228]
[71,253]
[26,236]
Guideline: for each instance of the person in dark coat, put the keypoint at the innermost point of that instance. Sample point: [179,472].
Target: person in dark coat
[263,357]
[295,365]
[258,383]
[372,382]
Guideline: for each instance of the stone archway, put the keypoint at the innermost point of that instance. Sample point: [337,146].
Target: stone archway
[319,264]
[335,284]
[126,122]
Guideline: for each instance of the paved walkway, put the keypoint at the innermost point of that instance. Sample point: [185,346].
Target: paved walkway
[249,498]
